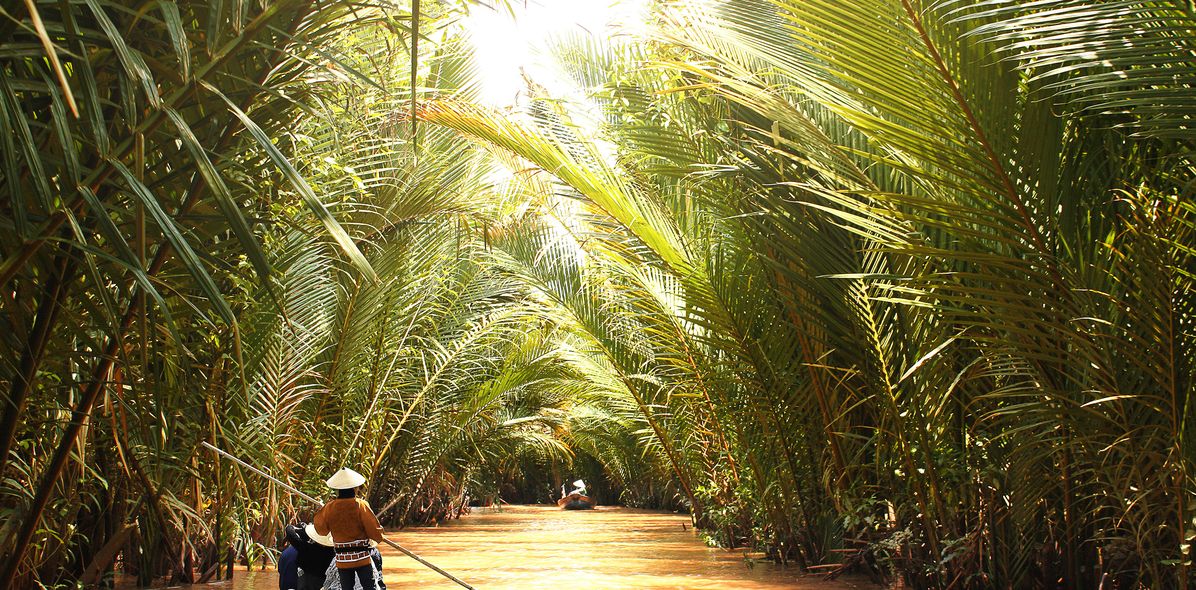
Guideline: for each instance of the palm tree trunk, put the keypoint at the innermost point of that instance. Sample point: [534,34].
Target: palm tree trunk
[31,357]
[67,444]
[1071,540]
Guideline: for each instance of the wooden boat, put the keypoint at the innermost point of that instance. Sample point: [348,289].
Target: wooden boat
[576,501]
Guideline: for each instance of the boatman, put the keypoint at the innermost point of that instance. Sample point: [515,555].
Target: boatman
[354,529]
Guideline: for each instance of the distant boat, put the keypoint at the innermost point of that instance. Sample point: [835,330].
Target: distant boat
[576,501]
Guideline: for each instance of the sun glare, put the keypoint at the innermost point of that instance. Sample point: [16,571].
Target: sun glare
[509,47]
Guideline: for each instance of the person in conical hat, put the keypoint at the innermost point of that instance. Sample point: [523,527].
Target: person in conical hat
[354,529]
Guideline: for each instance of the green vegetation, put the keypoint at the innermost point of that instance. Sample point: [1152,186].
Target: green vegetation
[902,285]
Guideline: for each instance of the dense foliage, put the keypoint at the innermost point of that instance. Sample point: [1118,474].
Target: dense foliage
[896,285]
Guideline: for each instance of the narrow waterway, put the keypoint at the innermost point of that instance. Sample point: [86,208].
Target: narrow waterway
[543,547]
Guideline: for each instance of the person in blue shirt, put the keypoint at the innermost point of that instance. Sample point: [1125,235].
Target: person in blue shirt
[288,569]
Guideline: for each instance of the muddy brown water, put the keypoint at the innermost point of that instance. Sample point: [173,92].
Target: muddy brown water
[543,547]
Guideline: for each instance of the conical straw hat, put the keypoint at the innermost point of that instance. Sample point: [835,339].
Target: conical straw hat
[325,540]
[345,479]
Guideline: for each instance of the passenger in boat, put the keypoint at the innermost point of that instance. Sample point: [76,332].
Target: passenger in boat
[288,575]
[377,557]
[354,529]
[314,554]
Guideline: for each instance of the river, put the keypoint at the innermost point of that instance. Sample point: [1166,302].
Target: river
[545,548]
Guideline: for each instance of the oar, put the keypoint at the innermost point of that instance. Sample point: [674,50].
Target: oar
[407,552]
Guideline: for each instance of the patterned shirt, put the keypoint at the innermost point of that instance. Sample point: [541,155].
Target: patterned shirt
[353,525]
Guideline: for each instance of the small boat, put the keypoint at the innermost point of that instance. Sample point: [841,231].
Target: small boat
[576,501]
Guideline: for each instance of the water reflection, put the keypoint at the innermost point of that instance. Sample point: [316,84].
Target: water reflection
[543,547]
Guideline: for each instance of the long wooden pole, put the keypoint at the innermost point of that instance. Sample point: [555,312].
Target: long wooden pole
[288,488]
